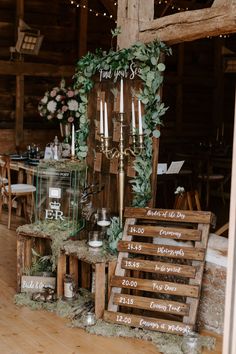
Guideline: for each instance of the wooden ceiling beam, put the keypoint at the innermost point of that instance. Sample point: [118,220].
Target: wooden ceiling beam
[191,25]
[35,69]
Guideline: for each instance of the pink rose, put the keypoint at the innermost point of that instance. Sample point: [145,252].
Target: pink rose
[64,108]
[70,93]
[53,93]
[70,119]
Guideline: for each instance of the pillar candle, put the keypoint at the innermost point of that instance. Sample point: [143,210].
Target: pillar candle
[140,125]
[121,96]
[101,117]
[133,118]
[73,141]
[105,121]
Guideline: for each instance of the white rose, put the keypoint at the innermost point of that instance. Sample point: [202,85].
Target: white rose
[73,105]
[58,98]
[59,116]
[51,106]
[44,99]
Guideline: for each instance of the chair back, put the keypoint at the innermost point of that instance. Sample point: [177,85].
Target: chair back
[5,175]
[188,201]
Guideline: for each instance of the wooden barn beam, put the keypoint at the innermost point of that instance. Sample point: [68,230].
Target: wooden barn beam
[35,69]
[131,13]
[191,25]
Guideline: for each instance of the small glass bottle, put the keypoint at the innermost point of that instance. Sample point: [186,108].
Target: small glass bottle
[56,149]
[191,343]
[68,287]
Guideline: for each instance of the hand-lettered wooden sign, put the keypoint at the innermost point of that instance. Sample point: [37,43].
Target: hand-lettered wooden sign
[158,277]
[31,284]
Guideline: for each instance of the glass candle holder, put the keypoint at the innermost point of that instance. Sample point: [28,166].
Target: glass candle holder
[103,217]
[89,319]
[191,344]
[95,239]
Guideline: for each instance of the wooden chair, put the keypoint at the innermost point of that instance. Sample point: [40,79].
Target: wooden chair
[222,230]
[12,192]
[188,201]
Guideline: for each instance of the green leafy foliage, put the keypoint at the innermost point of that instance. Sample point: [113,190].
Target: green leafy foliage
[148,58]
[114,233]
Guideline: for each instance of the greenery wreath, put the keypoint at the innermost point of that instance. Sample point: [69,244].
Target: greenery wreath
[147,58]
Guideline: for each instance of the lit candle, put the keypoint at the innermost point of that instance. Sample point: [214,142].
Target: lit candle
[121,97]
[223,130]
[73,141]
[140,125]
[101,117]
[133,118]
[105,121]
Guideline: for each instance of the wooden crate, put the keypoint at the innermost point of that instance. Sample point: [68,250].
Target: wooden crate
[160,279]
[25,242]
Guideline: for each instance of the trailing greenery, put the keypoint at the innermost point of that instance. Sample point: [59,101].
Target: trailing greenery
[40,264]
[147,58]
[114,233]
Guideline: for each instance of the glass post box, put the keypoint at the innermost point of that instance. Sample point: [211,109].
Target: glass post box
[58,194]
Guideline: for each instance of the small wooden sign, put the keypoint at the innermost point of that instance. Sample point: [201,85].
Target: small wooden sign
[31,284]
[130,167]
[96,132]
[116,132]
[100,96]
[117,102]
[98,162]
[114,166]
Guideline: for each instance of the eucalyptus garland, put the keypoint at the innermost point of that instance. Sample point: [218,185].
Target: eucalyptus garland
[147,57]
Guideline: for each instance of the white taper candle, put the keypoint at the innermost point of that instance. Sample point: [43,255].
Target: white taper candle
[140,124]
[101,117]
[121,96]
[105,121]
[133,118]
[73,140]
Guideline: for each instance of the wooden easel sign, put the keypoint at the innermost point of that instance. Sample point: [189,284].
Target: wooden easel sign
[159,271]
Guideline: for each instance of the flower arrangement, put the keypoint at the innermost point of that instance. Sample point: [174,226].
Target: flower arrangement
[179,190]
[61,103]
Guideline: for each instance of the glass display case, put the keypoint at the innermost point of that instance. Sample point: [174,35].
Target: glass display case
[58,194]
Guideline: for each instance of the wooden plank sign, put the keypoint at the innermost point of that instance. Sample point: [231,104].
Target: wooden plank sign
[149,323]
[158,267]
[164,232]
[155,286]
[162,250]
[173,307]
[31,284]
[171,215]
[163,279]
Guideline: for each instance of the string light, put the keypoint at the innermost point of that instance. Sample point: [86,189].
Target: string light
[92,11]
[159,2]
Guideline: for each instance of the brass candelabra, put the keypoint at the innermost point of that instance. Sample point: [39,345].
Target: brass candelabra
[135,149]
